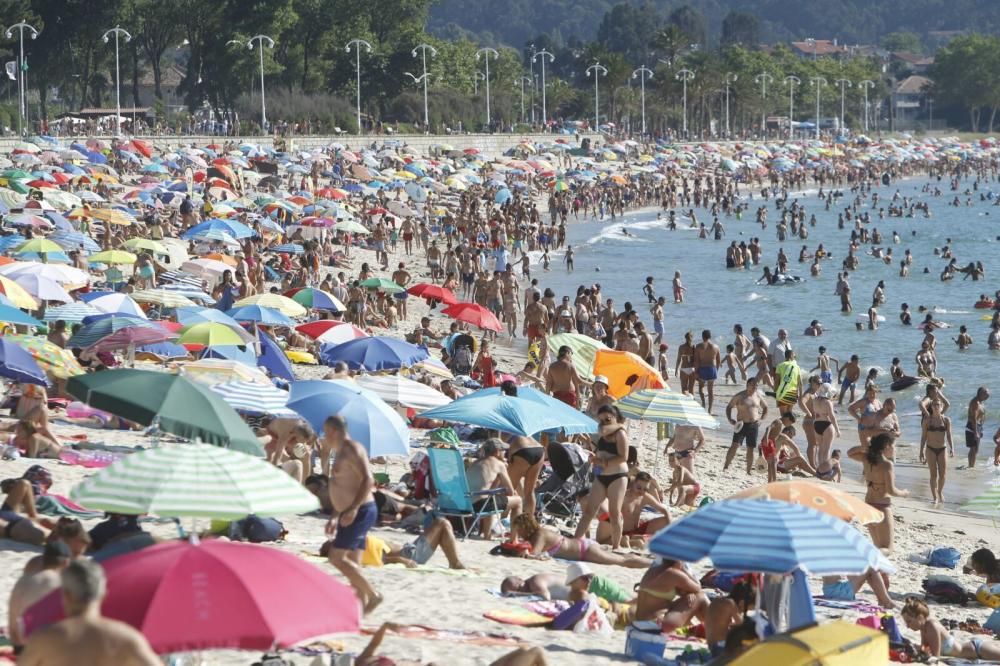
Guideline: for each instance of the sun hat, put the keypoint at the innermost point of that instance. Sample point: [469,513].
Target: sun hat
[601,379]
[577,570]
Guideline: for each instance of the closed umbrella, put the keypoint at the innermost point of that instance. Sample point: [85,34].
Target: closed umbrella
[666,406]
[373,354]
[370,421]
[255,398]
[16,363]
[190,596]
[402,391]
[194,480]
[820,496]
[474,314]
[768,536]
[175,403]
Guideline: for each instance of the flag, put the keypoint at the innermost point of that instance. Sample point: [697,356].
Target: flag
[11,68]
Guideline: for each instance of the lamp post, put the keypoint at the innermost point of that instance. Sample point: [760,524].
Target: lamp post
[487,52]
[763,79]
[261,41]
[818,82]
[791,82]
[866,85]
[730,78]
[422,79]
[117,31]
[599,70]
[843,83]
[357,44]
[424,48]
[642,72]
[521,80]
[531,75]
[685,75]
[545,54]
[21,96]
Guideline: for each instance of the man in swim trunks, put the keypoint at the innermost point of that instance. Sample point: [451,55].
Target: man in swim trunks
[750,410]
[562,381]
[536,318]
[637,497]
[974,424]
[489,472]
[848,376]
[707,360]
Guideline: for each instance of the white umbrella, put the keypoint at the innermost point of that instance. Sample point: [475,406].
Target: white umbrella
[397,390]
[256,398]
[56,272]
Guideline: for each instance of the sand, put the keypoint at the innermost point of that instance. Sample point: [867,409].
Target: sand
[441,599]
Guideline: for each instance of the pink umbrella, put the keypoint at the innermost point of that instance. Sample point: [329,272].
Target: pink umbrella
[475,314]
[133,336]
[185,597]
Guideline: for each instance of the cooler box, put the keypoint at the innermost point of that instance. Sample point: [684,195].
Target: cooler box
[640,645]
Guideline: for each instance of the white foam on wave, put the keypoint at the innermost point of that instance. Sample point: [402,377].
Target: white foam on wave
[613,232]
[754,296]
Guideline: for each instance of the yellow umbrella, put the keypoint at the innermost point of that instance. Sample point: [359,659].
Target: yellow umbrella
[111,216]
[112,257]
[831,644]
[210,334]
[815,495]
[17,294]
[146,244]
[283,304]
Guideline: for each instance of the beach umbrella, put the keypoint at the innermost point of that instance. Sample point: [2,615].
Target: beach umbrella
[17,294]
[255,398]
[65,275]
[272,357]
[189,316]
[382,284]
[209,334]
[17,364]
[188,596]
[259,314]
[499,412]
[165,298]
[373,354]
[94,331]
[768,536]
[211,371]
[161,352]
[193,480]
[331,331]
[311,297]
[836,643]
[817,495]
[12,315]
[146,244]
[71,313]
[626,372]
[370,421]
[117,303]
[132,337]
[433,292]
[474,314]
[665,406]
[572,421]
[235,229]
[54,360]
[38,246]
[403,391]
[206,269]
[112,257]
[282,304]
[178,406]
[43,288]
[584,349]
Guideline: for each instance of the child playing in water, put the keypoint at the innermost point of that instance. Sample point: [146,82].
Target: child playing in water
[684,482]
[649,290]
[730,361]
[823,363]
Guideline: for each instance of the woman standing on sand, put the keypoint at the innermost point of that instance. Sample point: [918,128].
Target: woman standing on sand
[866,406]
[824,422]
[611,455]
[880,476]
[935,437]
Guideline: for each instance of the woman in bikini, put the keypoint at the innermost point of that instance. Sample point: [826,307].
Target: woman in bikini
[525,457]
[866,406]
[880,477]
[824,422]
[611,456]
[935,437]
[669,595]
[547,542]
[939,641]
[808,427]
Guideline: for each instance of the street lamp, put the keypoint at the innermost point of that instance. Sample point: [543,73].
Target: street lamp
[545,54]
[685,75]
[791,82]
[730,78]
[424,48]
[521,80]
[487,52]
[21,96]
[866,85]
[261,41]
[843,83]
[117,31]
[599,70]
[818,82]
[641,73]
[357,44]
[418,79]
[763,79]
[531,75]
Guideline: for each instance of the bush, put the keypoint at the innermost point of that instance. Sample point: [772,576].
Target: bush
[323,111]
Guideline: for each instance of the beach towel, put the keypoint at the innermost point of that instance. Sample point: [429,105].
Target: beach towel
[547,608]
[89,459]
[453,636]
[860,606]
[495,591]
[56,505]
[520,617]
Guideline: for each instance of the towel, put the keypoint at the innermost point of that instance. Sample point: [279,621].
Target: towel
[56,505]
[89,459]
[495,591]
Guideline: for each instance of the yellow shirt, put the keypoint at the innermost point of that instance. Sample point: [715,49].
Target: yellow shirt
[375,550]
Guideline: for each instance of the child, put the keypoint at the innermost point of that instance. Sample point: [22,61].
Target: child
[730,361]
[545,261]
[662,364]
[684,482]
[829,470]
[964,340]
[649,290]
[679,288]
[823,362]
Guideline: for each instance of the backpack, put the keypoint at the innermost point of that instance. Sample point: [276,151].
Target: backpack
[257,530]
[942,589]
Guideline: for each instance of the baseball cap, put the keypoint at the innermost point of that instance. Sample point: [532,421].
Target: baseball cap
[493,445]
[577,570]
[601,379]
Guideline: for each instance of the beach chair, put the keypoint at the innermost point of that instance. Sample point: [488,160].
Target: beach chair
[454,497]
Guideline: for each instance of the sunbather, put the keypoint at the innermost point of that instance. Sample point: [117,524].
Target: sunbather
[669,594]
[939,641]
[547,542]
[379,551]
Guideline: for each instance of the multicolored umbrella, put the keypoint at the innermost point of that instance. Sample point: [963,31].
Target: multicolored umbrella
[90,334]
[397,390]
[584,349]
[316,299]
[331,331]
[282,304]
[259,314]
[666,406]
[55,361]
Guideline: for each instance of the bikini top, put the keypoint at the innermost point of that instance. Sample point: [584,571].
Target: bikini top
[607,446]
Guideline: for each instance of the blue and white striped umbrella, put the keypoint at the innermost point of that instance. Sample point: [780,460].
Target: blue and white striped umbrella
[255,398]
[71,240]
[290,248]
[768,536]
[181,277]
[191,293]
[71,313]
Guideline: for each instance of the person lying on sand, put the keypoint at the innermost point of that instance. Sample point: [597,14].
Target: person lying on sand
[19,520]
[547,542]
[939,642]
[556,588]
[379,552]
[534,656]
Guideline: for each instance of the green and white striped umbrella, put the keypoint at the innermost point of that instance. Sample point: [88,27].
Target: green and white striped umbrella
[987,504]
[666,406]
[584,348]
[194,480]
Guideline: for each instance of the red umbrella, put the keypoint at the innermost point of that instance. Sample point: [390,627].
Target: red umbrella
[332,331]
[475,314]
[433,292]
[186,597]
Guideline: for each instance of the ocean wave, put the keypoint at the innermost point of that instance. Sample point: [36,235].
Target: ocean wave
[754,296]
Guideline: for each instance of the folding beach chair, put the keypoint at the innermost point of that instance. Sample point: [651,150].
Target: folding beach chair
[454,497]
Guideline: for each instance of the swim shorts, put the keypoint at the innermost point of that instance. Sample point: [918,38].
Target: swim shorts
[352,537]
[825,377]
[419,551]
[973,436]
[840,591]
[748,434]
[707,373]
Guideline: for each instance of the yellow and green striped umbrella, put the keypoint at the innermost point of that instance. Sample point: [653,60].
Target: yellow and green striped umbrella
[665,406]
[282,304]
[584,348]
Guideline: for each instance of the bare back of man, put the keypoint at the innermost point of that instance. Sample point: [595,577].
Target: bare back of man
[88,640]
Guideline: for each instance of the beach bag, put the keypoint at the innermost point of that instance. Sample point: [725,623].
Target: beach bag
[512,549]
[946,558]
[945,590]
[594,621]
[257,530]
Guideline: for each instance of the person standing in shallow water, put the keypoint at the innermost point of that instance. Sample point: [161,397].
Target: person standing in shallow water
[974,423]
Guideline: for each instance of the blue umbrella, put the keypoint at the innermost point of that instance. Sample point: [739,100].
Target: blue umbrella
[235,229]
[290,248]
[71,240]
[13,315]
[768,536]
[244,354]
[17,363]
[571,421]
[373,354]
[164,350]
[59,222]
[260,315]
[370,421]
[498,412]
[272,358]
[192,316]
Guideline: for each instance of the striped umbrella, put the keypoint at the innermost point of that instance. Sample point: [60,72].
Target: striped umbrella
[768,536]
[194,480]
[397,390]
[163,298]
[584,349]
[282,304]
[255,398]
[181,277]
[666,406]
[188,292]
[71,312]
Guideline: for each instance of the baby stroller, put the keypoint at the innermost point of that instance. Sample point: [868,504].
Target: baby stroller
[568,479]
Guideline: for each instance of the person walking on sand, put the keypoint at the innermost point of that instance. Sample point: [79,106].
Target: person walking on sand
[974,423]
[935,439]
[354,509]
[750,411]
[880,477]
[707,359]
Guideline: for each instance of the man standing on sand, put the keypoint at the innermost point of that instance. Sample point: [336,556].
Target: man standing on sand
[706,361]
[402,277]
[974,423]
[85,637]
[562,381]
[750,411]
[354,509]
[536,318]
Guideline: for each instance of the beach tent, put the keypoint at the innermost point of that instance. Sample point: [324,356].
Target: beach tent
[833,644]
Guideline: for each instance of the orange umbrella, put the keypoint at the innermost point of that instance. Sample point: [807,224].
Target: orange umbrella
[224,258]
[626,372]
[816,495]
